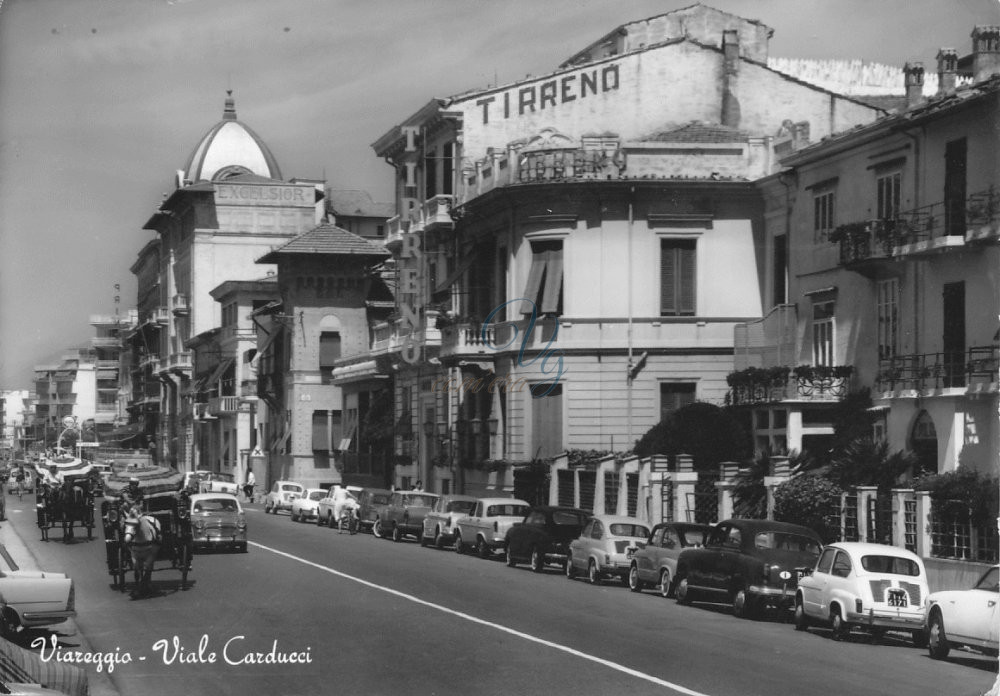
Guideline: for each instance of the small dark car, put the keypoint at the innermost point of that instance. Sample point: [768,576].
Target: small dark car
[748,563]
[371,506]
[544,536]
[404,515]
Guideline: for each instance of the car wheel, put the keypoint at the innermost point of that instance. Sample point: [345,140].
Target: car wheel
[682,592]
[919,638]
[459,546]
[537,560]
[484,549]
[634,583]
[377,529]
[423,539]
[438,539]
[7,626]
[293,516]
[665,589]
[509,557]
[267,508]
[840,627]
[593,575]
[329,520]
[570,570]
[801,620]
[319,519]
[397,533]
[937,639]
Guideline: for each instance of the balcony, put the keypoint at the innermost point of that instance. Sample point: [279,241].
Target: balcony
[397,227]
[160,315]
[179,362]
[239,333]
[181,308]
[437,212]
[223,405]
[465,340]
[106,342]
[813,383]
[107,364]
[393,337]
[248,389]
[948,373]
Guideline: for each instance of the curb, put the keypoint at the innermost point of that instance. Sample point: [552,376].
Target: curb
[11,543]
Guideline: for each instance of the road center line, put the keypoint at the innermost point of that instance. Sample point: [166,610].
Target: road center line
[500,627]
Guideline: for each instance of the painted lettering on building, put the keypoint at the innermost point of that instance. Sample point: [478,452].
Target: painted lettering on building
[247,194]
[550,93]
[409,294]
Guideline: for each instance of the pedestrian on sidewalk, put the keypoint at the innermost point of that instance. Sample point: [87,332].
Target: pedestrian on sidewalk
[248,488]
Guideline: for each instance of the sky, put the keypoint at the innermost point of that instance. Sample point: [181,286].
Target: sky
[101,101]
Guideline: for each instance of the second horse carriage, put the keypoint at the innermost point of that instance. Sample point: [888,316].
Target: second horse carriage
[65,496]
[156,528]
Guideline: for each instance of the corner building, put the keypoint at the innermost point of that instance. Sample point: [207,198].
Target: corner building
[573,251]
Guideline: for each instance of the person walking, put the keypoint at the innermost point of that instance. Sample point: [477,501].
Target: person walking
[249,486]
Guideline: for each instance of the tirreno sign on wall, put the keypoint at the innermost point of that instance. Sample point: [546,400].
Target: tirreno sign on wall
[256,194]
[549,94]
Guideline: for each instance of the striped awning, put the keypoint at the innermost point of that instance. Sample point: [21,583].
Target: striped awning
[68,467]
[154,481]
[18,665]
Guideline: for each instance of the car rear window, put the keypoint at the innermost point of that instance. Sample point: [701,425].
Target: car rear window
[317,495]
[890,565]
[507,510]
[419,500]
[567,519]
[691,537]
[630,530]
[216,505]
[784,541]
[379,499]
[291,487]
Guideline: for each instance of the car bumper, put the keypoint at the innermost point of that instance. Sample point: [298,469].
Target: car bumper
[885,618]
[45,618]
[774,595]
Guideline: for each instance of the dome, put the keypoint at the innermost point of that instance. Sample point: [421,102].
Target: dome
[228,149]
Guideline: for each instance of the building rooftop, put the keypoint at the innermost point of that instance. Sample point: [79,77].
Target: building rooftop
[330,240]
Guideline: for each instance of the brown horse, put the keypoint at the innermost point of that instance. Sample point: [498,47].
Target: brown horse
[142,537]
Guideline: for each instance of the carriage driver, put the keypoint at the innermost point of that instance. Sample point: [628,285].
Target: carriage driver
[131,494]
[53,477]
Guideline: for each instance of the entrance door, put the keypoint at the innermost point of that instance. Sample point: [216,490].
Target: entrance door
[954,334]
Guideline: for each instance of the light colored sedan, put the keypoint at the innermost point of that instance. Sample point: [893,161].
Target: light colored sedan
[281,495]
[218,521]
[485,528]
[603,548]
[305,508]
[440,523]
[965,617]
[34,598]
[655,562]
[874,587]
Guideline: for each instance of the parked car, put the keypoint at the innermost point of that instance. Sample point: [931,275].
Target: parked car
[871,586]
[324,510]
[27,485]
[544,536]
[218,521]
[604,548]
[281,496]
[305,508]
[439,523]
[748,563]
[372,503]
[33,598]
[219,482]
[965,617]
[485,528]
[404,515]
[655,562]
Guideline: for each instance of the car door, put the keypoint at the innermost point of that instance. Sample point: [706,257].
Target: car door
[839,583]
[470,524]
[814,586]
[969,616]
[666,556]
[647,560]
[726,563]
[581,547]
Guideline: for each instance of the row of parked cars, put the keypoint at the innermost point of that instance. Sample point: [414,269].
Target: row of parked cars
[753,565]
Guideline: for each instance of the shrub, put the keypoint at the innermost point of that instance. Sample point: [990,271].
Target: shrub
[707,432]
[812,501]
[963,491]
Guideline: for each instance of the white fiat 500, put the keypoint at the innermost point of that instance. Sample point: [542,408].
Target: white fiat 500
[870,586]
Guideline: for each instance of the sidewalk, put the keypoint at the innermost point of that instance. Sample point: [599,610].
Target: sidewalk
[99,683]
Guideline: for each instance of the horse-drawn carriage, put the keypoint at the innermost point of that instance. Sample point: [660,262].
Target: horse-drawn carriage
[69,503]
[158,529]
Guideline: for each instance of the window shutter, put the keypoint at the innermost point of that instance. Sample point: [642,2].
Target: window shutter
[553,282]
[668,275]
[534,285]
[686,284]
[320,432]
[329,348]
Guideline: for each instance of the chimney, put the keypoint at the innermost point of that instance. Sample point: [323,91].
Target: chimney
[730,77]
[985,52]
[947,65]
[914,74]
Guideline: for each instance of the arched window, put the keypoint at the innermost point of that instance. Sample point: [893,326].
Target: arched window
[923,442]
[329,346]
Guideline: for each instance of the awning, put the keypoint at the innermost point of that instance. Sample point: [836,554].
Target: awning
[220,370]
[455,275]
[263,348]
[21,666]
[154,481]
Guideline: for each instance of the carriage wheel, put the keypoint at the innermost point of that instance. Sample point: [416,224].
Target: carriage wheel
[185,558]
[120,572]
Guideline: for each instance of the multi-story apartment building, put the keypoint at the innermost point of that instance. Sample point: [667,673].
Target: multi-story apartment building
[356,212]
[230,206]
[573,251]
[13,407]
[112,382]
[888,234]
[66,397]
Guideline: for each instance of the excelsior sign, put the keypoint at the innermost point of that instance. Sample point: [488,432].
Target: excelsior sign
[252,194]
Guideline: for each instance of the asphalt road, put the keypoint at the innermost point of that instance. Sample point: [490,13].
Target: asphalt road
[370,616]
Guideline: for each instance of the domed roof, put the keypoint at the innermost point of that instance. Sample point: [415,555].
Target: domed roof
[228,149]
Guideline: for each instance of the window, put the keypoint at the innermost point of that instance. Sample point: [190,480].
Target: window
[379,230]
[780,270]
[825,561]
[675,395]
[657,539]
[841,565]
[544,286]
[887,196]
[733,538]
[430,174]
[677,277]
[320,431]
[822,215]
[887,292]
[546,420]
[955,156]
[447,168]
[670,539]
[822,332]
[329,353]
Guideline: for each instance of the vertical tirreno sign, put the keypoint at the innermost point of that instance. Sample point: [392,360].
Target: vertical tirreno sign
[409,276]
[548,94]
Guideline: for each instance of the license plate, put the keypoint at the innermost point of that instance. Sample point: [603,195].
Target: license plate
[629,552]
[897,598]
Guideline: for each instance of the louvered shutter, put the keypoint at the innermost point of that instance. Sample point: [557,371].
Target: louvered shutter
[553,282]
[320,432]
[686,282]
[534,285]
[668,282]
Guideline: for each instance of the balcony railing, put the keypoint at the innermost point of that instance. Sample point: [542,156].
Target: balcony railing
[466,339]
[222,405]
[179,361]
[239,333]
[160,315]
[974,369]
[105,342]
[397,226]
[180,305]
[393,336]
[437,212]
[757,385]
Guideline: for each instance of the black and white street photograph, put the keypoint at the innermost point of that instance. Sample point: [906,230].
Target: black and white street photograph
[499,347]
